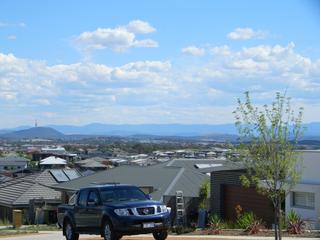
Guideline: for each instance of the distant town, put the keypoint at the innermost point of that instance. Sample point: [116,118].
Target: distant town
[37,174]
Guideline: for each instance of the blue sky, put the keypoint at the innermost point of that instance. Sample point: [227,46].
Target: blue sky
[76,62]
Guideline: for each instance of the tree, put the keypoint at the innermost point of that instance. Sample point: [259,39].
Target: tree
[268,139]
[204,194]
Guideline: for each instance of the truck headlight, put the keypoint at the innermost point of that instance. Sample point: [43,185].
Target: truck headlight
[162,209]
[122,212]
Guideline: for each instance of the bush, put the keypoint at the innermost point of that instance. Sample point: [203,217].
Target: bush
[245,220]
[193,226]
[204,193]
[255,227]
[215,224]
[248,221]
[4,222]
[295,225]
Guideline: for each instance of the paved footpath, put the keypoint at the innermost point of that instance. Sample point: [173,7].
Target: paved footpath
[58,236]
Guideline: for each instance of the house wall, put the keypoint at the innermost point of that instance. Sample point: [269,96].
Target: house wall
[191,208]
[311,162]
[14,167]
[311,216]
[310,182]
[5,214]
[227,192]
[218,179]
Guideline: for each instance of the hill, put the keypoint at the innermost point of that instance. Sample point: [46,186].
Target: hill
[35,132]
[217,132]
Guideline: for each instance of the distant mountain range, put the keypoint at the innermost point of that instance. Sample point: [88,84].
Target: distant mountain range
[201,131]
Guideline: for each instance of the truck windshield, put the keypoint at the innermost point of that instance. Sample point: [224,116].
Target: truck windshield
[122,194]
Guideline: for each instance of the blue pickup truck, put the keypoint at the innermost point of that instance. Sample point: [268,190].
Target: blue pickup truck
[113,211]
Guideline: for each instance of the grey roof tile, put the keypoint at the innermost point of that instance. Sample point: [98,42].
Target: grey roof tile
[159,176]
[19,191]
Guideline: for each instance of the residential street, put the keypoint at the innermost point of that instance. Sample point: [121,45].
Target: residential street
[58,236]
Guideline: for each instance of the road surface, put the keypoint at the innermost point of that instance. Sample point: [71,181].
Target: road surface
[58,236]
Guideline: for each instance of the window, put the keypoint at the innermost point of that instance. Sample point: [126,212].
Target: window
[303,200]
[72,199]
[122,194]
[82,201]
[93,197]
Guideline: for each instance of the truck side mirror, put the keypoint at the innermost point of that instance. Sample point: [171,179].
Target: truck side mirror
[149,196]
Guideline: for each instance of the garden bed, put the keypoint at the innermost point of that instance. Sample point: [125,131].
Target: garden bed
[264,233]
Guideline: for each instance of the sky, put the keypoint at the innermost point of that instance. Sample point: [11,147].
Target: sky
[169,61]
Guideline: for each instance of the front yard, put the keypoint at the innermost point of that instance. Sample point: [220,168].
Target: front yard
[262,233]
[26,229]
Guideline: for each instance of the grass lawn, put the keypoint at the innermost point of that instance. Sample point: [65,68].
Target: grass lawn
[11,231]
[26,229]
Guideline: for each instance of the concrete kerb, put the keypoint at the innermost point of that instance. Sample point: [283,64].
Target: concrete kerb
[218,237]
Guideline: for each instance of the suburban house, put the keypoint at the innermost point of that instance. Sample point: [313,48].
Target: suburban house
[13,163]
[56,151]
[304,198]
[160,181]
[52,162]
[227,192]
[94,164]
[32,194]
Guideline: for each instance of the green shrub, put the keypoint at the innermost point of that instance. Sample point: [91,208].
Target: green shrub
[245,220]
[204,193]
[295,225]
[4,222]
[249,222]
[254,227]
[215,224]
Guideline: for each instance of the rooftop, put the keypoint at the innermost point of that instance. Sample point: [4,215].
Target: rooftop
[19,191]
[164,179]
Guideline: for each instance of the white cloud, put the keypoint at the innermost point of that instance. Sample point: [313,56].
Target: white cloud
[36,82]
[145,43]
[138,26]
[7,24]
[118,39]
[22,24]
[12,37]
[223,50]
[246,33]
[42,101]
[144,72]
[157,91]
[4,24]
[272,66]
[193,50]
[6,95]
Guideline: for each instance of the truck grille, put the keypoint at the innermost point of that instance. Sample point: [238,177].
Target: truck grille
[146,211]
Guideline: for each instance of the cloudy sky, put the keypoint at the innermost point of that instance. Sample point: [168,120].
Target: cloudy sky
[77,62]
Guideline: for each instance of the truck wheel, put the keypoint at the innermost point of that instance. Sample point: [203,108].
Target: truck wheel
[108,232]
[70,232]
[162,235]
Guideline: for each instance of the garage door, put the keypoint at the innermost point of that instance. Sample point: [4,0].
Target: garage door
[249,200]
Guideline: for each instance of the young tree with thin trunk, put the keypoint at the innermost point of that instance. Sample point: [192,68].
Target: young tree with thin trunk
[268,139]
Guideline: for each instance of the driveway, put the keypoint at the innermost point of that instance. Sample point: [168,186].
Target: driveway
[58,236]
